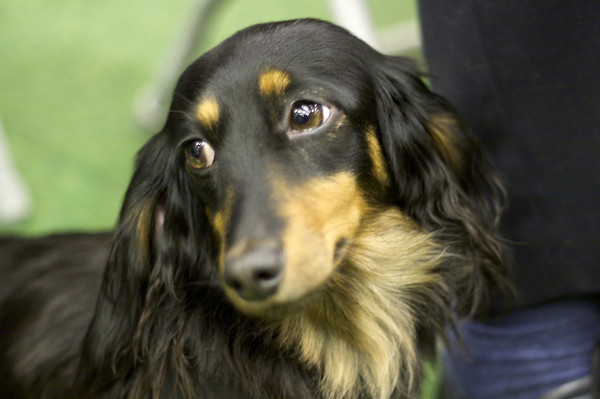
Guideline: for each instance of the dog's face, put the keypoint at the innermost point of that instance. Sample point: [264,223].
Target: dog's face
[325,190]
[279,141]
[287,140]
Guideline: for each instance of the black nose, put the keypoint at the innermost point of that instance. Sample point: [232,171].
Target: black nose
[256,272]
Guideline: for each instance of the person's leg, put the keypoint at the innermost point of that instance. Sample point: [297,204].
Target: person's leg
[525,354]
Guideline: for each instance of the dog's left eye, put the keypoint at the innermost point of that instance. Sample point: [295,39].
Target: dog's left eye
[306,115]
[199,154]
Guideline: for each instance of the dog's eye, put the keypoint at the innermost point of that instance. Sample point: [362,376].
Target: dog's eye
[306,115]
[199,154]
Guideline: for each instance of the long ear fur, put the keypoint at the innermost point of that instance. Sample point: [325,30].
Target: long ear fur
[156,246]
[443,178]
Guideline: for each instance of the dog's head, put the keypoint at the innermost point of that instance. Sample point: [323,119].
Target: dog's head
[320,184]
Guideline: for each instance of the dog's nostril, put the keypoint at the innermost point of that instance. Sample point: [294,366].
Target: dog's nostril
[266,275]
[256,273]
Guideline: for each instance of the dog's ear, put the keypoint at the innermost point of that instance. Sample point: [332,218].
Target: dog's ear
[156,245]
[442,177]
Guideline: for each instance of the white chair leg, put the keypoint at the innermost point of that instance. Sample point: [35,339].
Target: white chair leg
[354,15]
[15,202]
[153,100]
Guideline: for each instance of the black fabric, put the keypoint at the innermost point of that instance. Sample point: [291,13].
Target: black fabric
[526,76]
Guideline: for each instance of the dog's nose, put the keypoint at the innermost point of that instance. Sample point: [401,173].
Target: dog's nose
[256,272]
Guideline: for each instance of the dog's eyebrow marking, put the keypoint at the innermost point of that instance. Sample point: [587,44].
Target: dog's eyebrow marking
[273,82]
[207,112]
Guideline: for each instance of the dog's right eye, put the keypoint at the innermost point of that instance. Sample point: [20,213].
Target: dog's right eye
[199,154]
[308,115]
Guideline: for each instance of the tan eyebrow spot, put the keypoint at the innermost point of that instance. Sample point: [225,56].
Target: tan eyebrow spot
[273,82]
[207,112]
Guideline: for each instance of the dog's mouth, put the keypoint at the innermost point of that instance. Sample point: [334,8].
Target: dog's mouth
[281,287]
[340,251]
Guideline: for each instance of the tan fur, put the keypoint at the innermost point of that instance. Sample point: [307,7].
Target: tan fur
[318,213]
[207,112]
[360,333]
[354,320]
[140,221]
[441,129]
[273,82]
[220,220]
[380,170]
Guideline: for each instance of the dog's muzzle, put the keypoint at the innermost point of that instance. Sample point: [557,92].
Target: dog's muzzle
[256,271]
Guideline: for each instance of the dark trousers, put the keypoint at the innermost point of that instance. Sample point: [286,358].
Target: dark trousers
[526,77]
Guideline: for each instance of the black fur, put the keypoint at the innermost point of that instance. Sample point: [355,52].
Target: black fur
[161,325]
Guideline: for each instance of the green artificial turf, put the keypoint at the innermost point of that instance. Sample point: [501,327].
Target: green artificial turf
[70,71]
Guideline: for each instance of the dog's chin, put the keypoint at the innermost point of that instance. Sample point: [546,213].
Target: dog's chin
[298,294]
[276,308]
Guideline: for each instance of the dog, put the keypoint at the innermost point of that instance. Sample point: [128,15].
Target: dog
[307,223]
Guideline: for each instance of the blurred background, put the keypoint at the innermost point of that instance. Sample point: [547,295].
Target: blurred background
[79,82]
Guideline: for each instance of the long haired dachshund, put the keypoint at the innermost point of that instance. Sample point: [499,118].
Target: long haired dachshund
[308,221]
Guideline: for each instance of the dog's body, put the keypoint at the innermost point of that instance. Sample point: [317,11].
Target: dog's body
[310,218]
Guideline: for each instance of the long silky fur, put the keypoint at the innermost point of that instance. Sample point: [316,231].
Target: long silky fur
[363,335]
[361,339]
[454,191]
